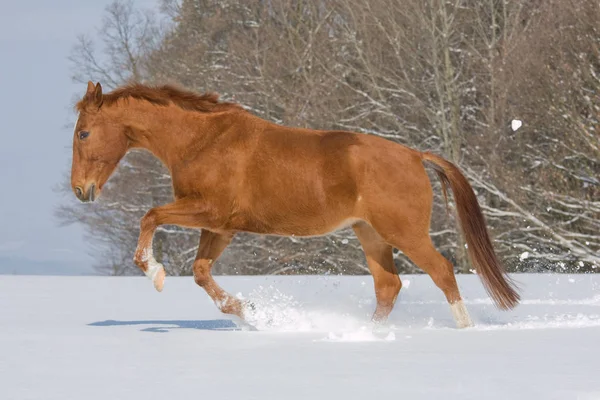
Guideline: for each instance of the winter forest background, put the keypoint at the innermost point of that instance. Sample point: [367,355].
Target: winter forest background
[438,75]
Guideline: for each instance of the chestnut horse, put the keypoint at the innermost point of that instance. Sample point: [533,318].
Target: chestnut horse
[234,172]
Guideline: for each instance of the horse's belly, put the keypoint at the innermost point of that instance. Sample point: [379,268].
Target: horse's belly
[289,225]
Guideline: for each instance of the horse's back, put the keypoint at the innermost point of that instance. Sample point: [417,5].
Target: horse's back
[323,179]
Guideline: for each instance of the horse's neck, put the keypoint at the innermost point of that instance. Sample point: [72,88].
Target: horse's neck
[165,131]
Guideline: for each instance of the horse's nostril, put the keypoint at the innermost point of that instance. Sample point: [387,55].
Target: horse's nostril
[78,192]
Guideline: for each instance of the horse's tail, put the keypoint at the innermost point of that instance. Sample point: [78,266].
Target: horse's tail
[481,252]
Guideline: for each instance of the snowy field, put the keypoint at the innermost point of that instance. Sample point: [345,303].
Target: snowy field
[116,338]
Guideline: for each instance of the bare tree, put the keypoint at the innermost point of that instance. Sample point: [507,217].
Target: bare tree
[546,196]
[127,36]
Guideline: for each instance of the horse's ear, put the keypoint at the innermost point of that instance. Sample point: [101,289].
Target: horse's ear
[93,94]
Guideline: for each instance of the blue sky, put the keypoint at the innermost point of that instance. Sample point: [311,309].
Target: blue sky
[36,98]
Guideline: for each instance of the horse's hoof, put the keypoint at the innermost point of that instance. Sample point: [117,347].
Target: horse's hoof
[159,280]
[464,324]
[244,309]
[461,315]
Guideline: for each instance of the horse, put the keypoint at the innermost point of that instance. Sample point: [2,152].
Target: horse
[235,172]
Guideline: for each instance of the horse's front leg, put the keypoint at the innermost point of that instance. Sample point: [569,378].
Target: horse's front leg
[183,212]
[211,246]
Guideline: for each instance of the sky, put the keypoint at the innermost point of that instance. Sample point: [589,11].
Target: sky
[36,114]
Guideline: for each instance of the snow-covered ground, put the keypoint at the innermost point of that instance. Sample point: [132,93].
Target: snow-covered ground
[116,338]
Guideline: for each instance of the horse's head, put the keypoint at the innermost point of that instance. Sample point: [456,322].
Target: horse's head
[99,143]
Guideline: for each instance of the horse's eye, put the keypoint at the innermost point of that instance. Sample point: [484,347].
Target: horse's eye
[83,135]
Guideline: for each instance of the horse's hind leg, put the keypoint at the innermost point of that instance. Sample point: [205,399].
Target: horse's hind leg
[403,220]
[381,264]
[211,246]
[426,257]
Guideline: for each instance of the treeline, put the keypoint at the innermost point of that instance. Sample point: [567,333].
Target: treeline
[447,77]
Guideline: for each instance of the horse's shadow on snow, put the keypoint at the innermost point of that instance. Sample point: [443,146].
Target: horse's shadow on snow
[163,326]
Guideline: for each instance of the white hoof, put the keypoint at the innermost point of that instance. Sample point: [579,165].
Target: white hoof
[156,273]
[159,279]
[461,315]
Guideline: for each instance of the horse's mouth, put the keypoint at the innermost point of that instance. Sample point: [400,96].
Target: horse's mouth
[92,195]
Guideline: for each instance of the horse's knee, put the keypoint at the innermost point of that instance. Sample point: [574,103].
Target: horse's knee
[202,272]
[149,220]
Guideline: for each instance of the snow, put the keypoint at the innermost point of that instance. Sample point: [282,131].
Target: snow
[516,124]
[117,338]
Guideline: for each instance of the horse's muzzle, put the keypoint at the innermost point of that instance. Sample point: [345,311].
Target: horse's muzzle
[84,196]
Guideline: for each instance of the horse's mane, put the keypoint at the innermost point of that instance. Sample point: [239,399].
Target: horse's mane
[164,95]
